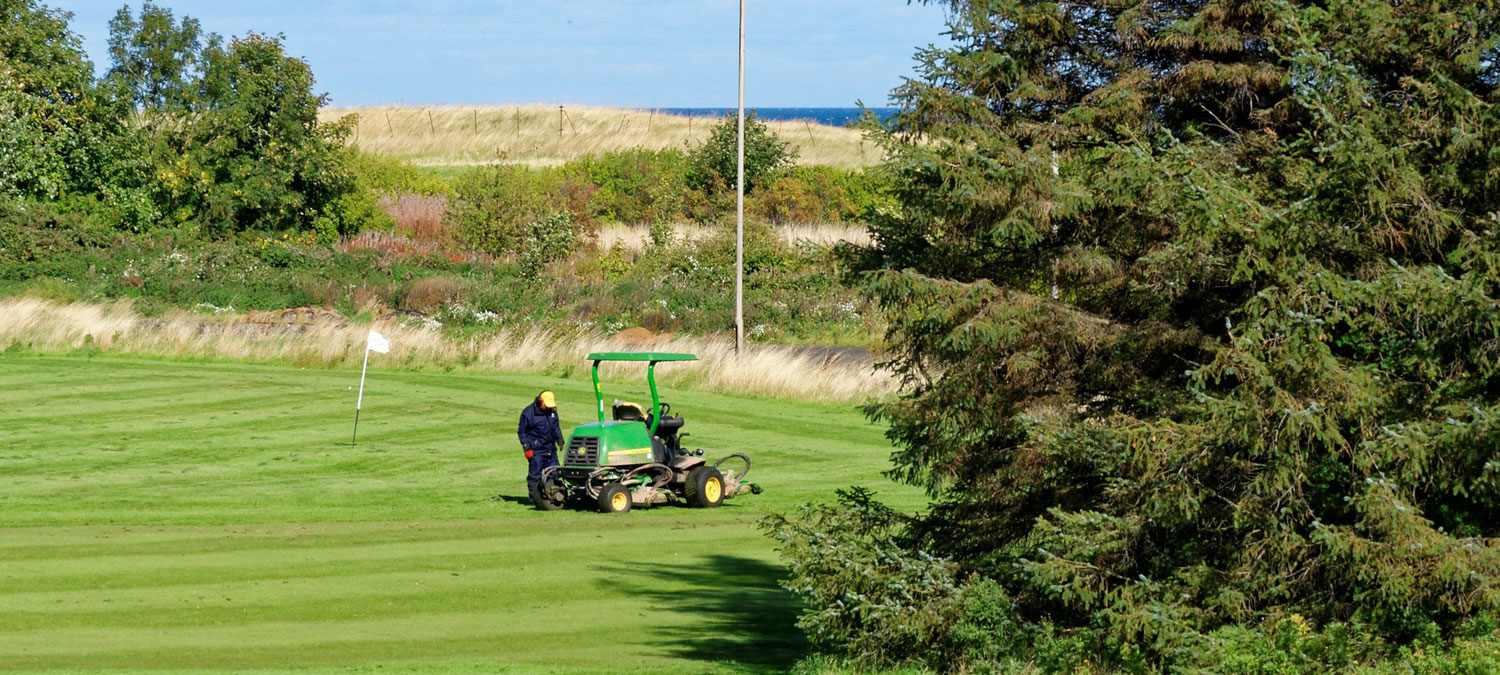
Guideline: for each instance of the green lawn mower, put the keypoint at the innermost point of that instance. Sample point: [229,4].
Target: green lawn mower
[636,458]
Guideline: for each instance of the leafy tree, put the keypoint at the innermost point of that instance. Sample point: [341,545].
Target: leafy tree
[1195,304]
[250,153]
[156,57]
[713,165]
[58,132]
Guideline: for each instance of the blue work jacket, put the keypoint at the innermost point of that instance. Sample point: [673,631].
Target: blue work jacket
[539,430]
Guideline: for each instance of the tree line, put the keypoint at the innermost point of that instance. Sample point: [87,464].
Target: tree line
[185,128]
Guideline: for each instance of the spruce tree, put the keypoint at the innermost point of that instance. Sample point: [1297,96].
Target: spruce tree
[1195,305]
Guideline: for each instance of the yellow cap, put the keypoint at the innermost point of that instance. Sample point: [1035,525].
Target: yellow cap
[548,400]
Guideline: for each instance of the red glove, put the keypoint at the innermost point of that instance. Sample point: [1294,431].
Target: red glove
[528,453]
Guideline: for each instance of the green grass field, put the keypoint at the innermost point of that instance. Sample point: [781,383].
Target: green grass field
[212,516]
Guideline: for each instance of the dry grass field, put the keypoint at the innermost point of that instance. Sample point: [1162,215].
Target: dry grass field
[326,342]
[546,135]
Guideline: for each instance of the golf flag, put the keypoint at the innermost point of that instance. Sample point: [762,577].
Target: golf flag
[380,344]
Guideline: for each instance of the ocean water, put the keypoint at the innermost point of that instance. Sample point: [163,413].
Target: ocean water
[837,117]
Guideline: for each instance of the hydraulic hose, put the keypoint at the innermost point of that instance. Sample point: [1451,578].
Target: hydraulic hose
[740,477]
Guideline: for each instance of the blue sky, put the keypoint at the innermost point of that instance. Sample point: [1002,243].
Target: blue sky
[662,53]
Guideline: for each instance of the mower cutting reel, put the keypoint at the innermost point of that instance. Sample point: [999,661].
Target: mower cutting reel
[636,457]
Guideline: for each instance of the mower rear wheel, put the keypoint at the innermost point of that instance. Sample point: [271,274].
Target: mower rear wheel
[705,487]
[614,498]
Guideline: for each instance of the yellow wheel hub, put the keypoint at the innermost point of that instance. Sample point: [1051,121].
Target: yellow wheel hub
[713,490]
[619,501]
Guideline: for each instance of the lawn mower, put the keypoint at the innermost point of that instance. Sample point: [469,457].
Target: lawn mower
[636,458]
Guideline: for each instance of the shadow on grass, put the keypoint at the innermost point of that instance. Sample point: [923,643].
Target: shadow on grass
[749,619]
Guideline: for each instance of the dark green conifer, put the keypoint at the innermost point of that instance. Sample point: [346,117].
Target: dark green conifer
[1196,307]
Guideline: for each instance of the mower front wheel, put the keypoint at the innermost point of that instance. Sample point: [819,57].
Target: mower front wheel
[705,487]
[547,497]
[614,498]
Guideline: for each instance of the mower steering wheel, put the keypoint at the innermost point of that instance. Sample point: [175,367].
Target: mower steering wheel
[665,408]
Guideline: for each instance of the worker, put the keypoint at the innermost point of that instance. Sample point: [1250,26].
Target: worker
[540,434]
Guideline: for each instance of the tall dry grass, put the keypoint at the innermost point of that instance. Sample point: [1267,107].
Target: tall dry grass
[115,328]
[538,135]
[636,237]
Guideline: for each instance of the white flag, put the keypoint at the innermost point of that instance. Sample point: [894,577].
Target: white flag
[378,343]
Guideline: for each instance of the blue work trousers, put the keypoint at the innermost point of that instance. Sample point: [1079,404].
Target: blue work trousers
[540,460]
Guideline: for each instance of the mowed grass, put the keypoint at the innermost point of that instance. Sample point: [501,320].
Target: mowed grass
[212,516]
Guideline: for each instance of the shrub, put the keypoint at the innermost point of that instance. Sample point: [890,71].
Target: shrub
[391,177]
[32,232]
[802,195]
[765,251]
[636,186]
[352,212]
[714,164]
[546,240]
[493,204]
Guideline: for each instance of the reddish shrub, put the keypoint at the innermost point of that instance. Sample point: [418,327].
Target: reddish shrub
[419,217]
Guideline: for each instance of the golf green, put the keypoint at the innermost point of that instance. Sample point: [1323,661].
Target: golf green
[206,516]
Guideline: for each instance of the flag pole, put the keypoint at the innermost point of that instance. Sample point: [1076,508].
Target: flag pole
[359,402]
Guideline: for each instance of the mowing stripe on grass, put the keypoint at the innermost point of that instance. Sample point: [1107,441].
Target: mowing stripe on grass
[170,514]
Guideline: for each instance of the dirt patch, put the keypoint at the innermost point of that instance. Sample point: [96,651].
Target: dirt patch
[295,315]
[641,336]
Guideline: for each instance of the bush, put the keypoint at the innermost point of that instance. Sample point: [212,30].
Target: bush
[352,212]
[391,177]
[32,232]
[636,186]
[802,195]
[493,204]
[546,240]
[714,164]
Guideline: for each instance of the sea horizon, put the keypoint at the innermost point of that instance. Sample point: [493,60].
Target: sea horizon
[831,116]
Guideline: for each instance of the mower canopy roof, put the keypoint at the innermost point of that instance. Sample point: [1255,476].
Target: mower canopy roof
[640,356]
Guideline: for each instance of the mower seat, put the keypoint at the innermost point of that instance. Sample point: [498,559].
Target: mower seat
[670,425]
[625,411]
